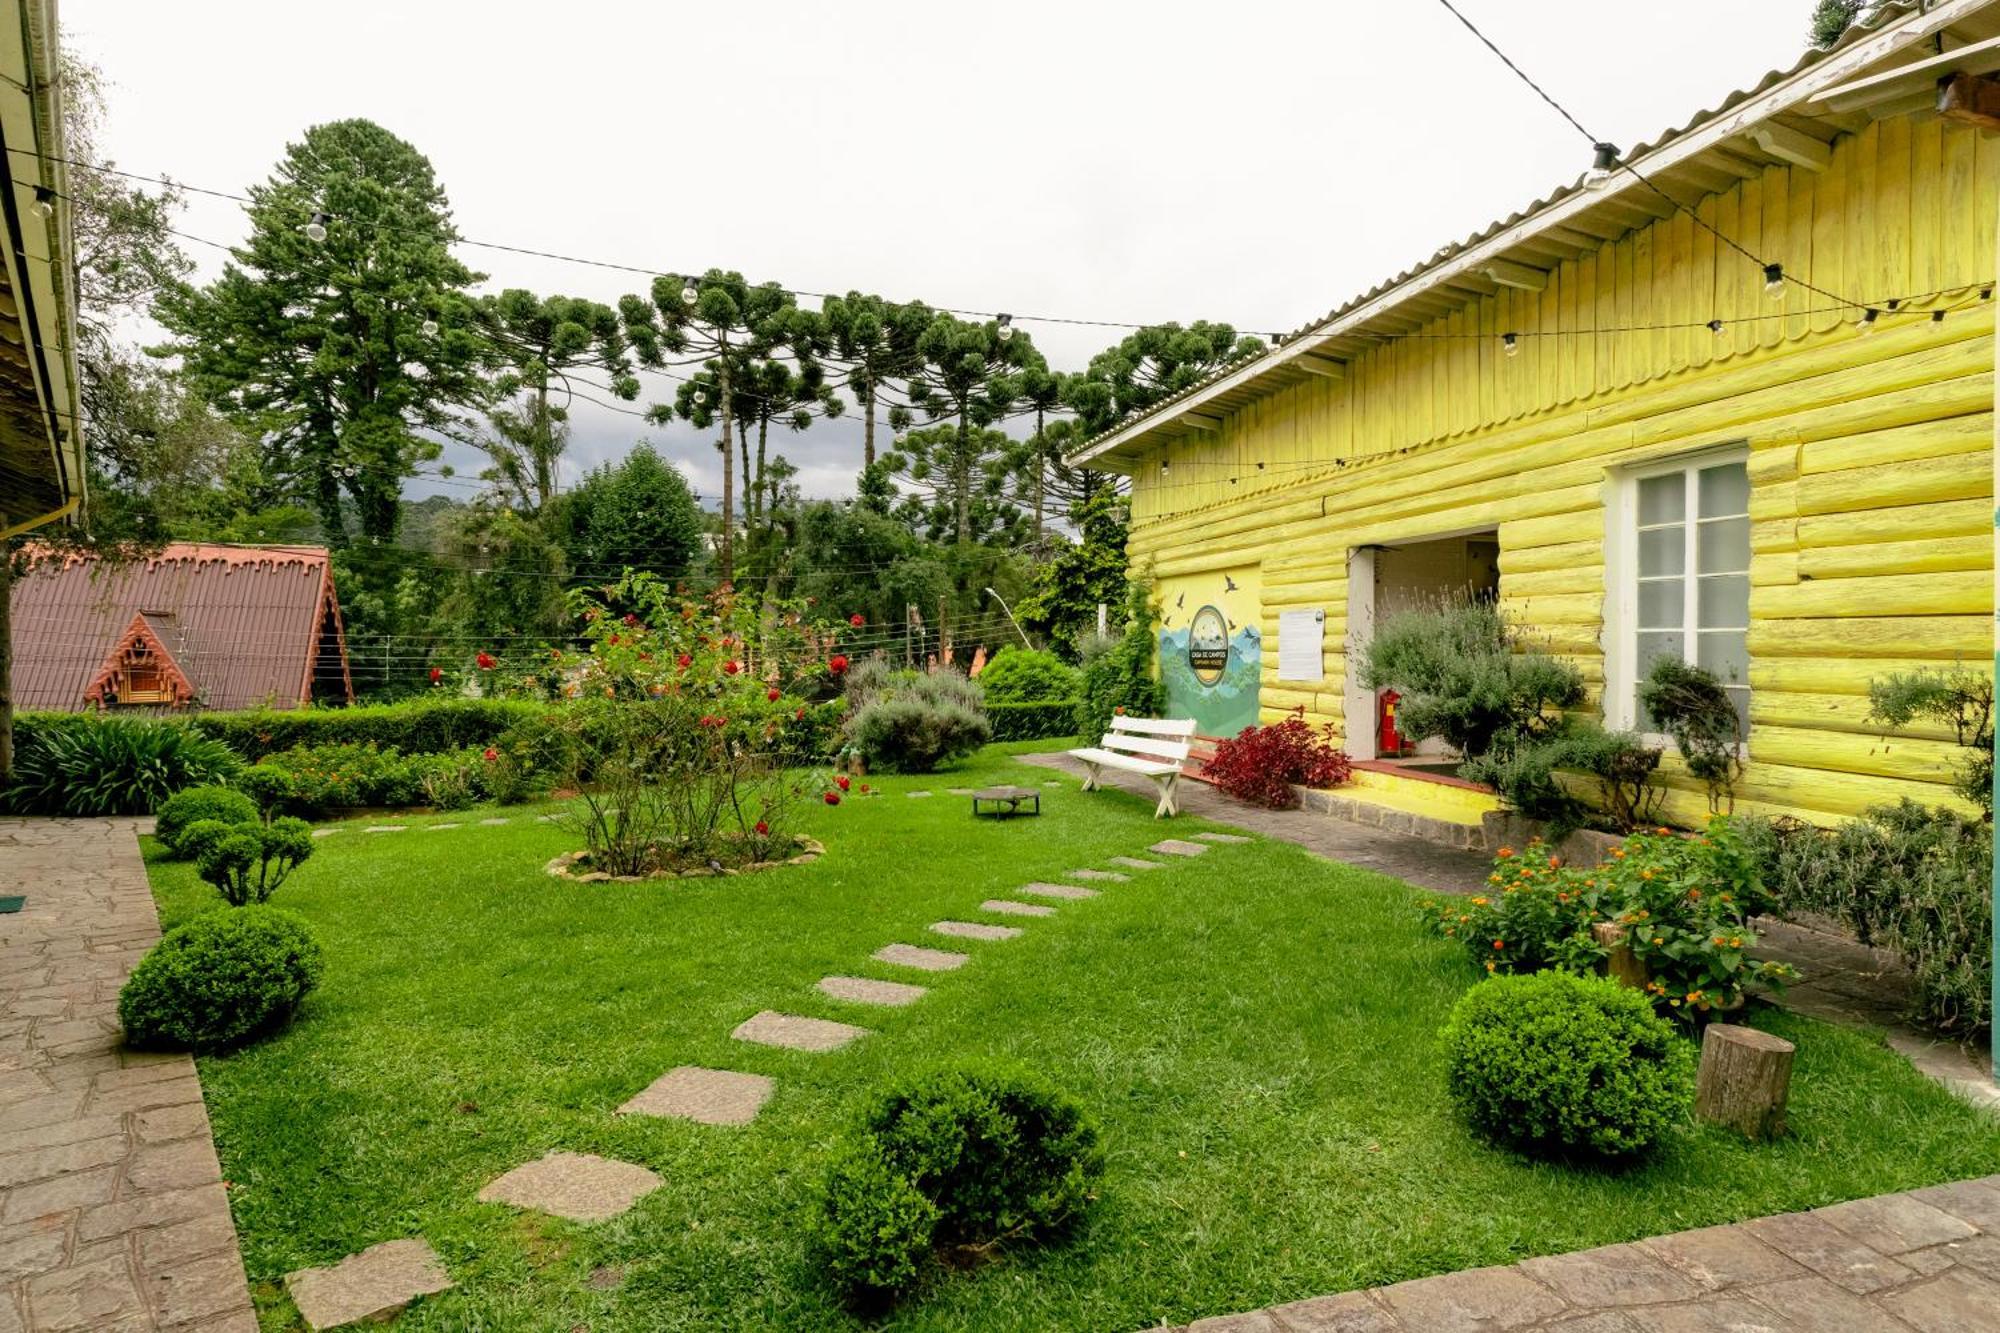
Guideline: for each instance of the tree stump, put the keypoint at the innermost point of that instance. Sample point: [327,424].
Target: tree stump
[1745,1077]
[1620,964]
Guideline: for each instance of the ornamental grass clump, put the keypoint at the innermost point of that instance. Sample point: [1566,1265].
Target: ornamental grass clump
[953,1164]
[219,981]
[1561,1066]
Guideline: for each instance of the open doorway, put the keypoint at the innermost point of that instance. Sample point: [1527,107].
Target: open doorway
[1407,576]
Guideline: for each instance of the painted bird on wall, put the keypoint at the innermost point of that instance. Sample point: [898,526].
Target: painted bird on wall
[1228,584]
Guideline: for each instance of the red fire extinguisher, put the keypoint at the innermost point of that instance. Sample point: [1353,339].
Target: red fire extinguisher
[1390,740]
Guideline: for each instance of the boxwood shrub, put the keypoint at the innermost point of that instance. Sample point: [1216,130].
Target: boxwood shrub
[958,1158]
[220,980]
[185,808]
[1561,1065]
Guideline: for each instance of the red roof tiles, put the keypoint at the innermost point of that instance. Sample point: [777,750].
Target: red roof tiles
[235,627]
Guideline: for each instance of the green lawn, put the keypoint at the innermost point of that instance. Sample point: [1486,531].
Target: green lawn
[1253,1031]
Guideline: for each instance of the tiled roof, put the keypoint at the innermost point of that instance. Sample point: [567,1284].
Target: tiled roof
[242,624]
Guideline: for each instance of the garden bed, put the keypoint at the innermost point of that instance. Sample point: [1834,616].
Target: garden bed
[575,866]
[1254,1030]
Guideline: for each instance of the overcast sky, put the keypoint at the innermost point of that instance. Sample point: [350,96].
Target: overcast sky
[1255,163]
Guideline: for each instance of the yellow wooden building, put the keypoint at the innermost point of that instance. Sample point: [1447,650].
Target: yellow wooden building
[1649,440]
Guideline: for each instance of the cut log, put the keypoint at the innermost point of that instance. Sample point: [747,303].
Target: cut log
[1620,963]
[1745,1077]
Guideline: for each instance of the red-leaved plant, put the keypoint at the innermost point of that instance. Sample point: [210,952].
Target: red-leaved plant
[1262,763]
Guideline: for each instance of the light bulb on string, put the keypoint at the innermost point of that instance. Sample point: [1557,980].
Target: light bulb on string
[689,292]
[1718,328]
[316,226]
[1868,321]
[1774,281]
[1601,166]
[1006,329]
[430,327]
[45,201]
[1510,344]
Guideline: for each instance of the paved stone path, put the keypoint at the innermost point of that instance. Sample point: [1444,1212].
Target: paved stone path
[112,1209]
[1926,1261]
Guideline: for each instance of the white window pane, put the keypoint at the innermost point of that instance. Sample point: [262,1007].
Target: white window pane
[1723,601]
[1725,490]
[1722,546]
[1662,551]
[1662,499]
[1662,604]
[1725,654]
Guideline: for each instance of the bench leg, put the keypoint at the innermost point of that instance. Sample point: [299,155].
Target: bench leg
[1168,807]
[1090,776]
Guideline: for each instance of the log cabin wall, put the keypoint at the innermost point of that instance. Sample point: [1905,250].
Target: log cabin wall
[1870,457]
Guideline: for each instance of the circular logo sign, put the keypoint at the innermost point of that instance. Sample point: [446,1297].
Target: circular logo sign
[1208,645]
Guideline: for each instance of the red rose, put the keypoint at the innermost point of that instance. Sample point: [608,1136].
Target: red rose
[772,695]
[837,664]
[486,662]
[631,620]
[763,829]
[613,641]
[856,620]
[436,675]
[491,754]
[841,781]
[684,661]
[833,798]
[864,787]
[731,667]
[799,716]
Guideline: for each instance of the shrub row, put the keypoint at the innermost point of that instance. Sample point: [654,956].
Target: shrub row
[421,726]
[80,764]
[1032,721]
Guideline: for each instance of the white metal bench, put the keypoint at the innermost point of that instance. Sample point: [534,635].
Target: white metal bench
[1154,747]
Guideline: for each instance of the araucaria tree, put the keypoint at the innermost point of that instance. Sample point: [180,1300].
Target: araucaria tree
[538,340]
[341,330]
[876,342]
[724,325]
[966,379]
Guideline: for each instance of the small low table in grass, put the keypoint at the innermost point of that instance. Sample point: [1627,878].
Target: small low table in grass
[1006,802]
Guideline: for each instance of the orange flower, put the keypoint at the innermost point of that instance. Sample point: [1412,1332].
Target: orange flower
[1735,941]
[1499,944]
[1694,893]
[1505,852]
[1479,901]
[1555,861]
[1618,852]
[1663,830]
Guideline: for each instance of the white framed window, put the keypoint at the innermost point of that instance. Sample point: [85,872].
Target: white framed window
[1680,543]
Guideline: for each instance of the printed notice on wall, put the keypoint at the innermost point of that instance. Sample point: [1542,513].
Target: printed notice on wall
[1301,645]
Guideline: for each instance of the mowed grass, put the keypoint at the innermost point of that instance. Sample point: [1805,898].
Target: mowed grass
[1253,1030]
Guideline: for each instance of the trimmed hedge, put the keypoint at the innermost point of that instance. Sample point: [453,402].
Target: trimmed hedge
[423,726]
[1032,721]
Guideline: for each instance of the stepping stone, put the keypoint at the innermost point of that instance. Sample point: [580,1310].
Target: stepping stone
[1136,863]
[913,795]
[1069,891]
[771,1028]
[435,827]
[371,1286]
[324,833]
[1178,847]
[490,823]
[575,1185]
[973,930]
[707,1096]
[1111,875]
[1008,907]
[1223,837]
[958,791]
[865,990]
[385,828]
[929,960]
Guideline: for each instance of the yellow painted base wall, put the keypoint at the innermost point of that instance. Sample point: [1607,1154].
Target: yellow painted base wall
[1871,504]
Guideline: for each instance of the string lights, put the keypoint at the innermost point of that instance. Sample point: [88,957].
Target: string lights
[1604,162]
[316,226]
[45,201]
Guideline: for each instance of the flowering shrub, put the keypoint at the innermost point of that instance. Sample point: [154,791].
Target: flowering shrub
[1261,764]
[332,777]
[1683,905]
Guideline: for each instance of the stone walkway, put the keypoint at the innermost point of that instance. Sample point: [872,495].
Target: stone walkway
[1923,1262]
[1844,982]
[113,1213]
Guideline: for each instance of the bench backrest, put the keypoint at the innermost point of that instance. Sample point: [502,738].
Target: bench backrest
[1164,739]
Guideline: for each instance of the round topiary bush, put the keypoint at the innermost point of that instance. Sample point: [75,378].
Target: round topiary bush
[960,1158]
[219,980]
[1023,675]
[192,806]
[1554,1063]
